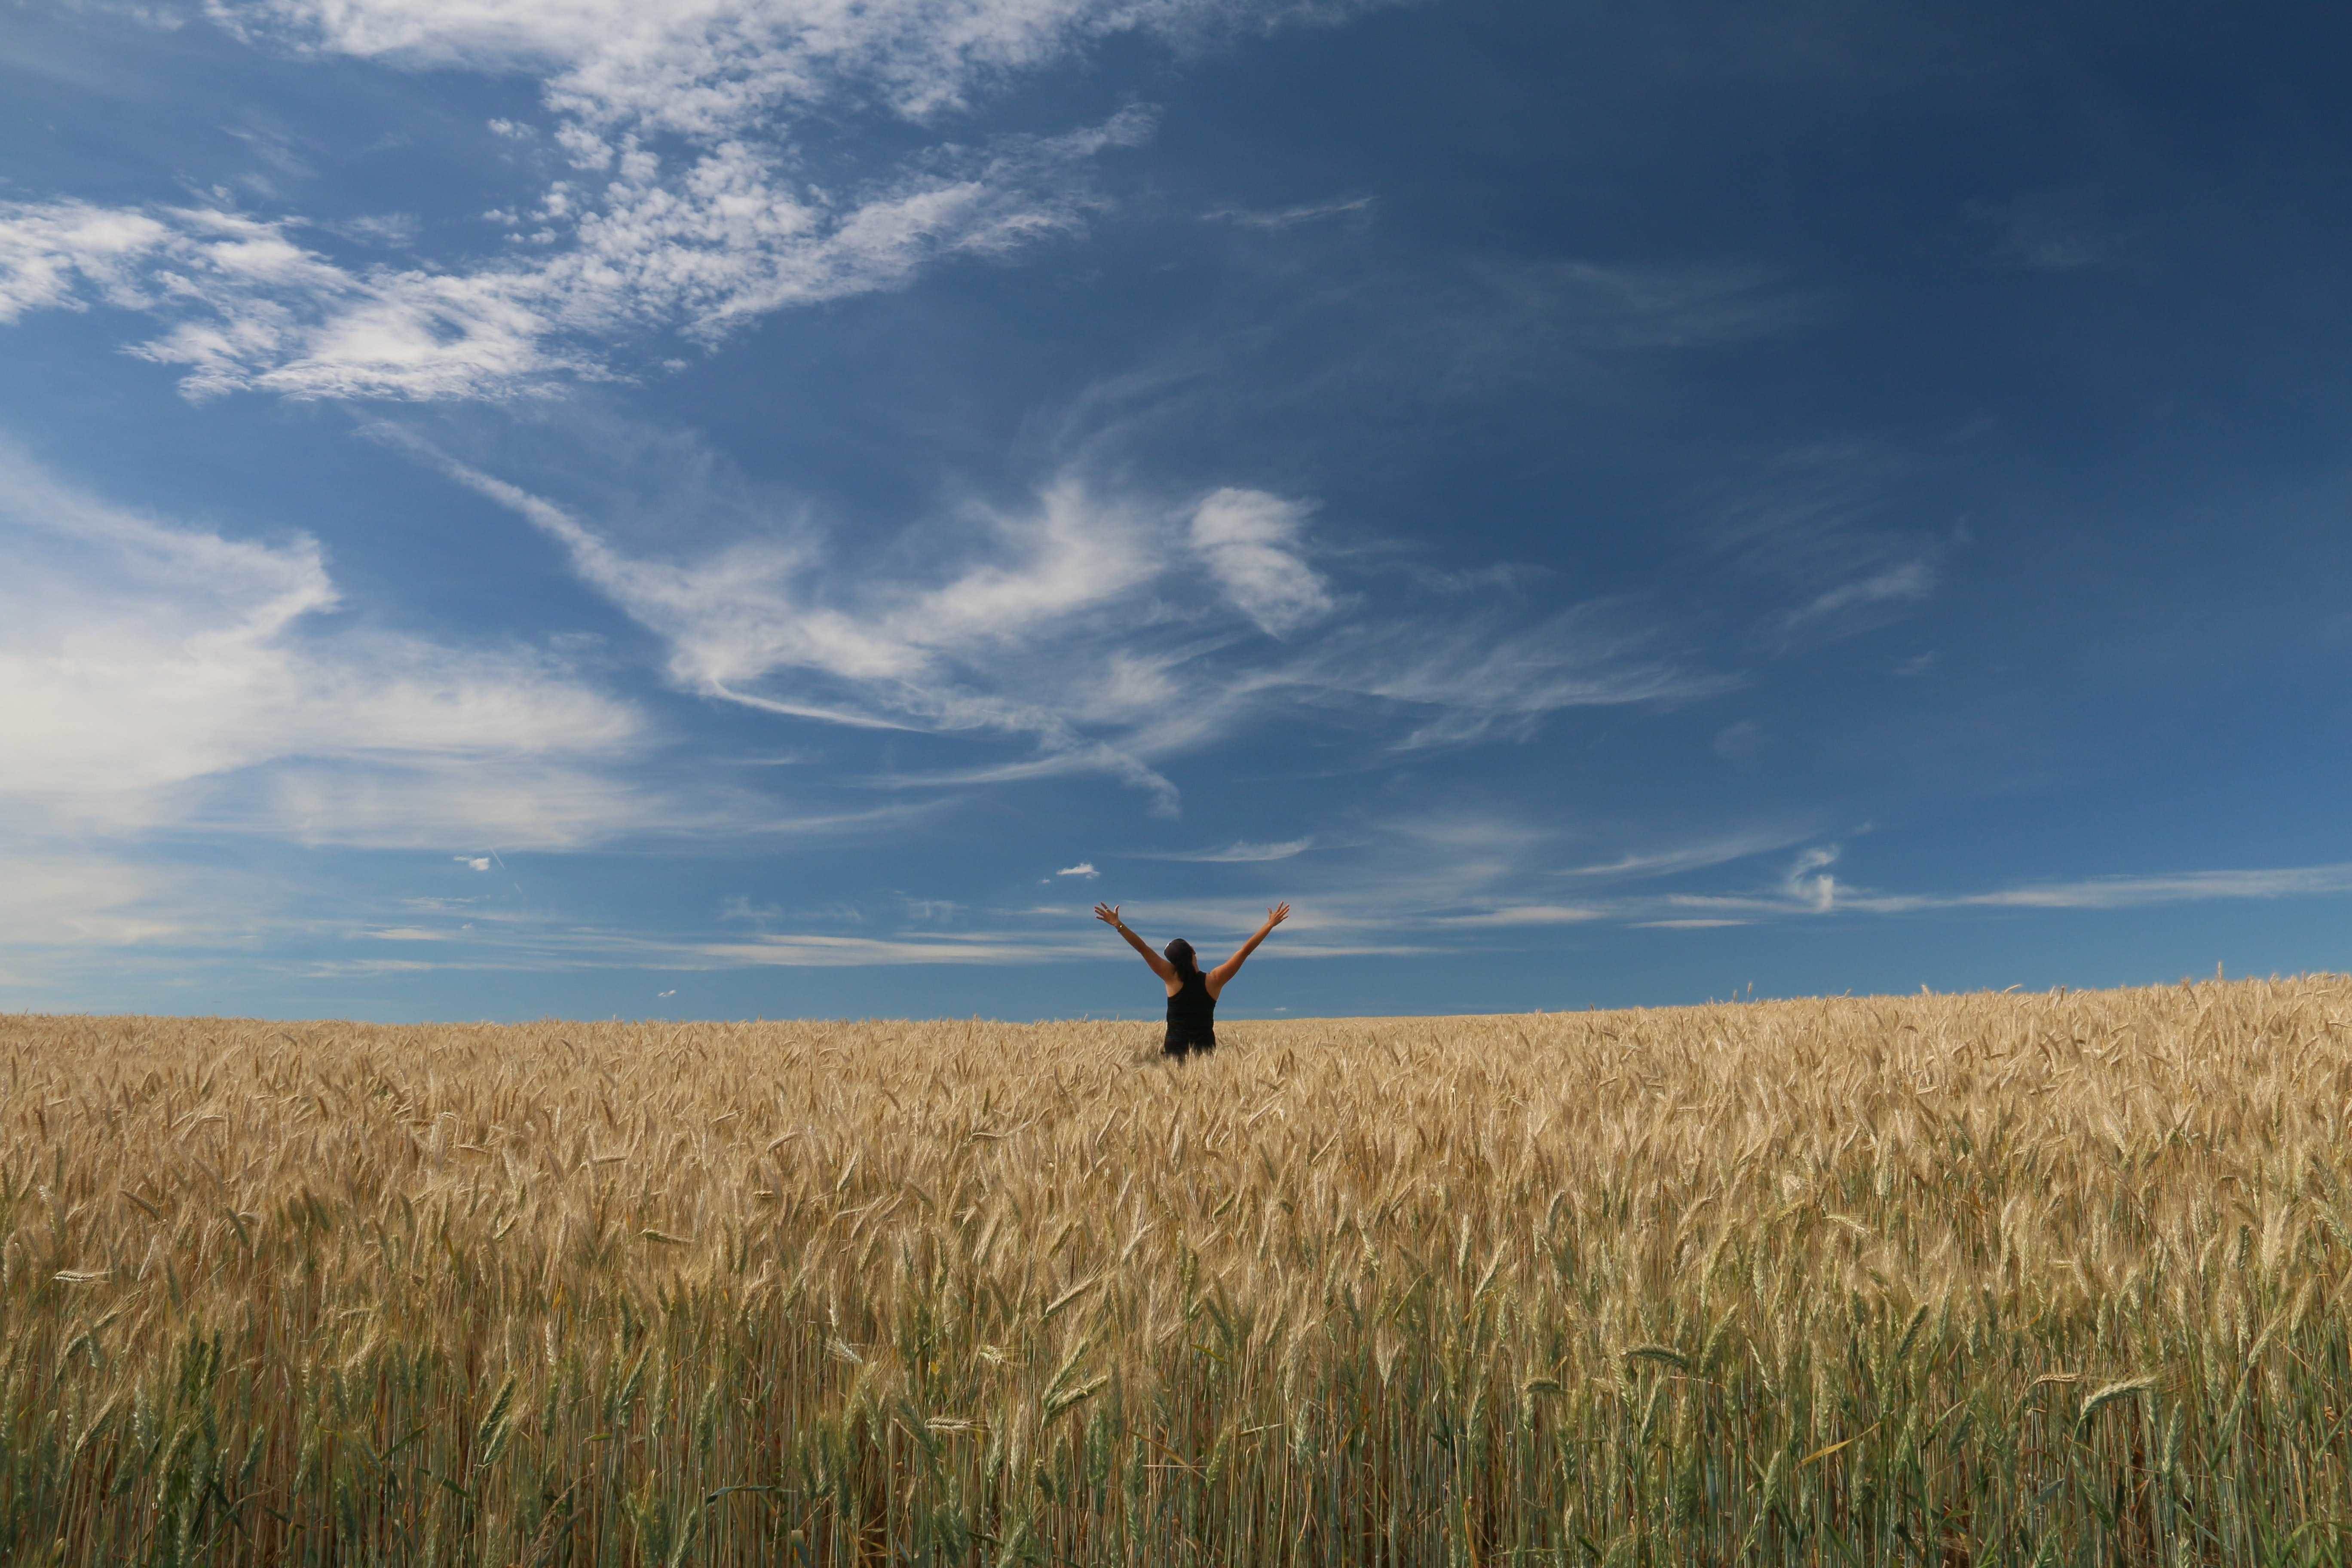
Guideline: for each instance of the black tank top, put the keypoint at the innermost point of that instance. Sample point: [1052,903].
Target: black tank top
[1192,1012]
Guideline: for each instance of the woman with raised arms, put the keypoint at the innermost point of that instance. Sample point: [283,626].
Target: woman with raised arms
[1192,996]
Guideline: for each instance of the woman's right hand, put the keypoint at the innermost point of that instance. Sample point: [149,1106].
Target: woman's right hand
[1108,913]
[1276,915]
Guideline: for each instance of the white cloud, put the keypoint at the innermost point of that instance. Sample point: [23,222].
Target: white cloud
[1473,675]
[1527,915]
[392,230]
[52,254]
[2181,887]
[816,950]
[691,206]
[822,950]
[1083,869]
[1689,858]
[1288,217]
[474,862]
[50,899]
[255,309]
[1903,582]
[392,802]
[1827,524]
[1807,888]
[1425,886]
[1808,881]
[759,622]
[1241,852]
[1250,540]
[1453,875]
[706,67]
[151,672]
[698,245]
[1056,624]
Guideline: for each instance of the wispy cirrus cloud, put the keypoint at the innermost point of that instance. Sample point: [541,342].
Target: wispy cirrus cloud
[2179,887]
[1524,915]
[1071,624]
[761,622]
[1457,877]
[1429,886]
[1809,887]
[1275,218]
[2060,230]
[1904,582]
[1241,852]
[1469,677]
[1688,857]
[1826,526]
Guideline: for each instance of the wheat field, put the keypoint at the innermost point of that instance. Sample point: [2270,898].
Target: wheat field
[1972,1279]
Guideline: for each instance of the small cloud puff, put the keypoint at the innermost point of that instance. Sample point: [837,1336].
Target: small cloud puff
[1810,883]
[479,862]
[1083,869]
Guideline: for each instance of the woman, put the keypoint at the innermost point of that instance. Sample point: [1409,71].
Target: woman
[1192,996]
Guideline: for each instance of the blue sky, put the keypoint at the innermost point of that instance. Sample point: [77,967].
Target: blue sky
[692,507]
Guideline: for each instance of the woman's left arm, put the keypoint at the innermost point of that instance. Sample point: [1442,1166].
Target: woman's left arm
[1224,971]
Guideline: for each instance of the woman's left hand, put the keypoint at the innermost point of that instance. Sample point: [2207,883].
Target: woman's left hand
[1106,913]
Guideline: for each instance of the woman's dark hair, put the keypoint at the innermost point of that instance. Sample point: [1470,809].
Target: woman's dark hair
[1179,954]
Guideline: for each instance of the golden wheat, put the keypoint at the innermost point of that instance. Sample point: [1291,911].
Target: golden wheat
[1966,1277]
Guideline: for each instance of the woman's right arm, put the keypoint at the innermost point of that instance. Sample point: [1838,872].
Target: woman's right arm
[1108,915]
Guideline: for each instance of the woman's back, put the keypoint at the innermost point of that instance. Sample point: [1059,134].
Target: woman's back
[1191,1016]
